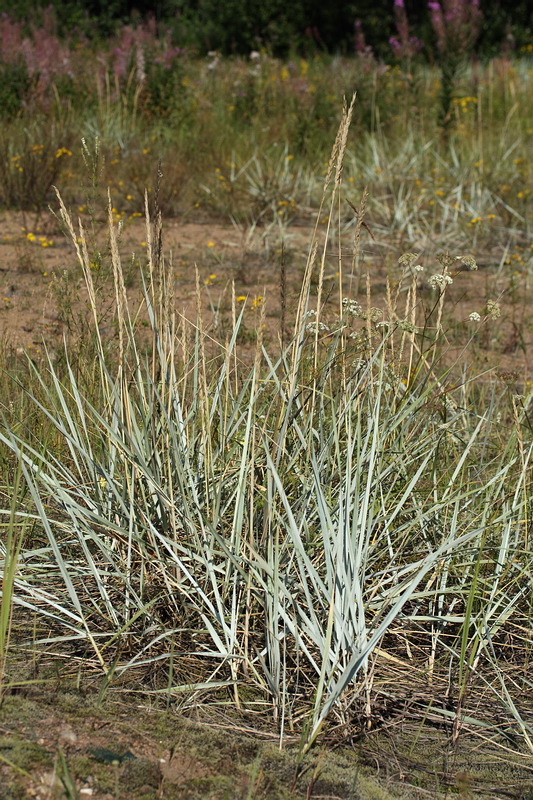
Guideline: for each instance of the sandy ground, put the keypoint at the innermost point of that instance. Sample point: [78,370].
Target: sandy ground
[41,283]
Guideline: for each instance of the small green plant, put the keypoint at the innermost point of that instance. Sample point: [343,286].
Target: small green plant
[31,158]
[14,85]
[66,778]
[15,534]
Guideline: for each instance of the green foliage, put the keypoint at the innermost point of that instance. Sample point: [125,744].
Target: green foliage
[240,26]
[14,86]
[236,27]
[30,162]
[166,93]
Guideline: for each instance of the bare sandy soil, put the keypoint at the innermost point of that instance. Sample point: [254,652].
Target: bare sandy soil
[41,283]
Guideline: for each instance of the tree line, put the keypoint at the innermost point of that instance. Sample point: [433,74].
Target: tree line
[302,26]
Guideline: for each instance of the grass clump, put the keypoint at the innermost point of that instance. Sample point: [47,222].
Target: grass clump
[328,530]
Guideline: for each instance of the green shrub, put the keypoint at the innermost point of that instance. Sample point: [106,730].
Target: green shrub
[14,86]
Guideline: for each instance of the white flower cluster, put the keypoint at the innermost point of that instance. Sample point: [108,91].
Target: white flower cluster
[374,315]
[493,309]
[407,260]
[474,317]
[468,261]
[351,307]
[445,260]
[407,326]
[312,327]
[439,281]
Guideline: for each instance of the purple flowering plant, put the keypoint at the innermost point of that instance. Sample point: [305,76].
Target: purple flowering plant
[403,45]
[45,57]
[456,24]
[361,47]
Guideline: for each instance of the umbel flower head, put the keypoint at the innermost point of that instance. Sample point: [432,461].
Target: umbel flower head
[439,281]
[493,309]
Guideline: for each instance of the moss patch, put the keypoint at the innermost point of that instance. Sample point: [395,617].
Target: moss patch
[123,750]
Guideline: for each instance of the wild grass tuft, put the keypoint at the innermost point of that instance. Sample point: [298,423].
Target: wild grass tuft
[319,530]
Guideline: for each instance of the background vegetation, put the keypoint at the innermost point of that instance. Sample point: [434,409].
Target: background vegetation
[305,26]
[249,137]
